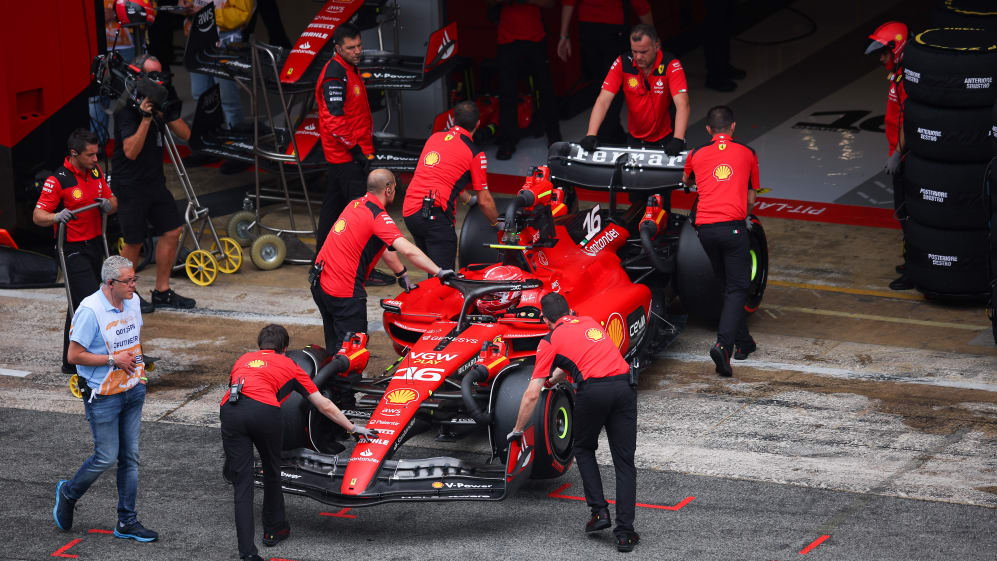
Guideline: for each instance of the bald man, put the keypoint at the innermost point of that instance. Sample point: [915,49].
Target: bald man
[355,242]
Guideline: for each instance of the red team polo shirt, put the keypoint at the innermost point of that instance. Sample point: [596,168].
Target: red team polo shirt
[606,11]
[343,111]
[520,22]
[894,120]
[355,243]
[73,189]
[648,95]
[449,161]
[724,171]
[270,377]
[579,346]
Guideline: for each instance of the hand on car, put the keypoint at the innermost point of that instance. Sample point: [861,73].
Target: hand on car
[445,274]
[674,146]
[364,432]
[405,283]
[589,143]
[514,435]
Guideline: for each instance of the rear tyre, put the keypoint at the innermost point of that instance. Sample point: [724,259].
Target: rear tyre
[759,254]
[695,282]
[946,263]
[506,395]
[476,231]
[554,423]
[945,195]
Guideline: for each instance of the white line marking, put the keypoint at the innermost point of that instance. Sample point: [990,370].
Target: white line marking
[841,373]
[12,372]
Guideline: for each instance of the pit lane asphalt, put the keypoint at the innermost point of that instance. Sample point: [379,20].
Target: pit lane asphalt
[183,497]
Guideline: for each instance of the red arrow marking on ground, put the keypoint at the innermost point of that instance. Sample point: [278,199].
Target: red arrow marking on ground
[557,495]
[99,531]
[61,552]
[280,559]
[815,543]
[340,514]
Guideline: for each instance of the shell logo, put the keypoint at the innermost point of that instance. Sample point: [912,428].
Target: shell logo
[256,363]
[77,194]
[616,329]
[593,334]
[356,90]
[365,75]
[448,137]
[431,159]
[339,226]
[899,38]
[437,485]
[723,172]
[632,82]
[401,397]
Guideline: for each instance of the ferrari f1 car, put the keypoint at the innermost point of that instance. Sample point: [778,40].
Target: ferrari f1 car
[467,344]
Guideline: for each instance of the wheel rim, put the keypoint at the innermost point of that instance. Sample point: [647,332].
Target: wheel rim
[269,253]
[561,423]
[231,255]
[74,386]
[201,267]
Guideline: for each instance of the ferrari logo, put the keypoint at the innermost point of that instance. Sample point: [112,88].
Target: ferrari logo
[448,137]
[77,194]
[722,146]
[290,71]
[661,69]
[95,172]
[339,226]
[594,334]
[615,329]
[431,159]
[256,363]
[632,82]
[723,172]
[400,397]
[356,90]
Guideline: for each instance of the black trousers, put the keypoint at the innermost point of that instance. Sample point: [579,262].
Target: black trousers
[344,182]
[340,316]
[601,43]
[716,38]
[531,57]
[436,237]
[83,263]
[610,403]
[727,246]
[246,424]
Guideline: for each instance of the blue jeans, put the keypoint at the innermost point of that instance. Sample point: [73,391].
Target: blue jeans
[231,102]
[115,421]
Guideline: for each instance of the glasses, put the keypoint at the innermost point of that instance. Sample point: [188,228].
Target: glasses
[132,280]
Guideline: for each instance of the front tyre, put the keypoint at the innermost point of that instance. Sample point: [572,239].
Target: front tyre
[555,433]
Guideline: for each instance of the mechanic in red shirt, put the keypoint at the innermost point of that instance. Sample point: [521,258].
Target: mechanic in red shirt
[450,161]
[357,240]
[522,47]
[726,176]
[602,34]
[77,183]
[888,41]
[579,348]
[650,80]
[250,415]
[344,127]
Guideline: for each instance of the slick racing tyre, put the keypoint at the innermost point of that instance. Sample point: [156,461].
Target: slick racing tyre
[948,134]
[506,395]
[554,423]
[946,195]
[951,67]
[947,262]
[759,254]
[475,232]
[966,13]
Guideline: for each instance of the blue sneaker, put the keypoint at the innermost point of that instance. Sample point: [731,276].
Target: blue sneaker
[135,531]
[62,512]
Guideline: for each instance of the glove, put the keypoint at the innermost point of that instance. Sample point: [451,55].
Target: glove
[588,143]
[514,435]
[105,205]
[364,432]
[445,274]
[892,163]
[472,201]
[64,216]
[674,146]
[405,283]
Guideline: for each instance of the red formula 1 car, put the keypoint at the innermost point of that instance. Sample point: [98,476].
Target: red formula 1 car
[467,344]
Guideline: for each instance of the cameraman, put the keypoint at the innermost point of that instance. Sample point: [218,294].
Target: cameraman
[140,184]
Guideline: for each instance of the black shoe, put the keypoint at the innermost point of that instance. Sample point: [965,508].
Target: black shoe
[170,299]
[253,557]
[505,152]
[721,357]
[68,369]
[626,541]
[232,167]
[62,513]
[901,268]
[742,350]
[135,531]
[721,84]
[199,159]
[378,277]
[273,539]
[735,73]
[902,282]
[145,305]
[599,521]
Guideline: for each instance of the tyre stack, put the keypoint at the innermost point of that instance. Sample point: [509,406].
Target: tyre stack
[950,77]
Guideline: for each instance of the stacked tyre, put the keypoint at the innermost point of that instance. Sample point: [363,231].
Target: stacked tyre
[950,78]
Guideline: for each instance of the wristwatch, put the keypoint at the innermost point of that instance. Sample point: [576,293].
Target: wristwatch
[110,361]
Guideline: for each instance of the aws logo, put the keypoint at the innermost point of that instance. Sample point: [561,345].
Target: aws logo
[256,363]
[339,226]
[723,172]
[77,194]
[594,334]
[431,159]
